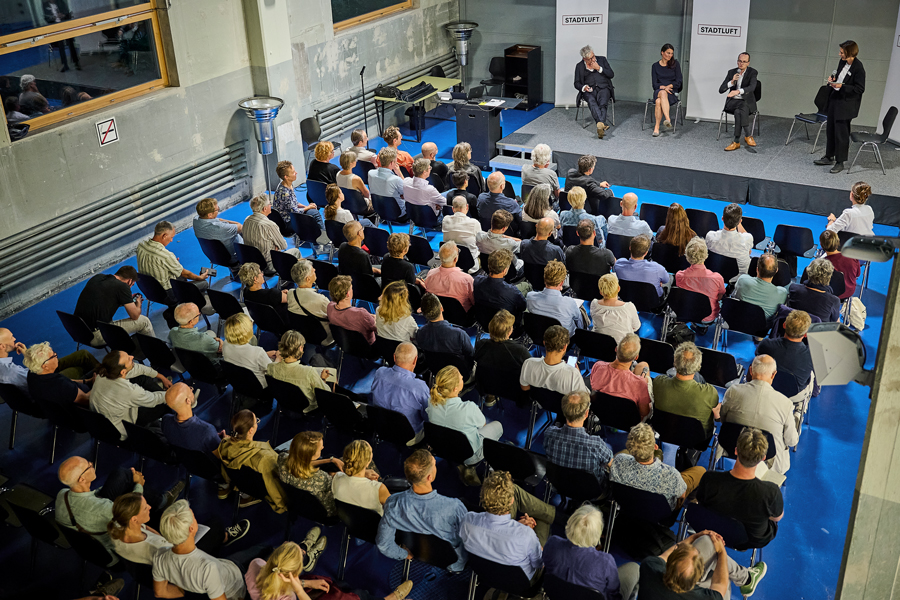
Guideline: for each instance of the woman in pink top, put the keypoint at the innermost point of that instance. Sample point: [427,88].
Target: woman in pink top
[849,267]
[342,313]
[697,278]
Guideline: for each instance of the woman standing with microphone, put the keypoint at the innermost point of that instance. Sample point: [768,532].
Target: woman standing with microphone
[847,85]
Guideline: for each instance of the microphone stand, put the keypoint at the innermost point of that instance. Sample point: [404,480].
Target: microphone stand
[362,82]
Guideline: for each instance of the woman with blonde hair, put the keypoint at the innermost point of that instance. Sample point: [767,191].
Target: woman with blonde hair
[359,484]
[281,578]
[447,409]
[299,467]
[538,206]
[346,178]
[610,315]
[321,169]
[577,197]
[860,217]
[333,211]
[393,319]
[240,347]
[462,155]
[677,230]
[241,450]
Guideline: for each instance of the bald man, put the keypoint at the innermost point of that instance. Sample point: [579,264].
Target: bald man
[352,259]
[494,200]
[429,151]
[397,388]
[448,280]
[539,250]
[628,223]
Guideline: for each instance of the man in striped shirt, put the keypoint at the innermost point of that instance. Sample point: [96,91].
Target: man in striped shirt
[261,232]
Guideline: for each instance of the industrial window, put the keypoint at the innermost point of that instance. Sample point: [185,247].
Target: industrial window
[348,13]
[63,58]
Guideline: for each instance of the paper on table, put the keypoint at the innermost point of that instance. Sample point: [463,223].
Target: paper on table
[494,102]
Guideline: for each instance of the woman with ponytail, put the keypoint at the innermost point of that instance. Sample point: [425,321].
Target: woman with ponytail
[446,408]
[241,450]
[860,217]
[359,484]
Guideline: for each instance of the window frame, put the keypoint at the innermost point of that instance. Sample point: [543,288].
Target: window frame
[44,36]
[399,6]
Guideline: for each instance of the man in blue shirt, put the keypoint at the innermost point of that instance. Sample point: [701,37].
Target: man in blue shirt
[493,292]
[208,226]
[421,510]
[398,389]
[550,302]
[497,536]
[494,200]
[10,372]
[638,269]
[571,446]
[540,251]
[387,179]
[628,223]
[440,336]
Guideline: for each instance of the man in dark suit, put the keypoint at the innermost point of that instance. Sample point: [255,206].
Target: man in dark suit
[740,83]
[593,77]
[581,176]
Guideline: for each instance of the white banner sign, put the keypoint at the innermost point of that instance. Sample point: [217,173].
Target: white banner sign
[719,34]
[892,89]
[579,23]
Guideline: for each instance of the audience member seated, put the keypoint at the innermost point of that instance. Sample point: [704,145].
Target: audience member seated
[187,336]
[612,316]
[393,318]
[240,347]
[698,567]
[392,137]
[860,217]
[262,233]
[359,145]
[154,260]
[491,291]
[446,408]
[429,151]
[449,280]
[539,250]
[54,379]
[288,368]
[460,181]
[814,295]
[792,355]
[417,189]
[681,394]
[462,229]
[186,568]
[421,510]
[493,200]
[497,535]
[321,169]
[387,179]
[352,259]
[760,290]
[437,335]
[397,388]
[849,267]
[334,198]
[625,377]
[208,225]
[637,268]
[571,446]
[538,207]
[550,302]
[628,223]
[739,494]
[757,404]
[10,372]
[586,257]
[342,313]
[640,467]
[496,238]
[395,266]
[286,201]
[347,179]
[552,372]
[580,176]
[577,558]
[498,351]
[697,278]
[12,108]
[573,217]
[253,279]
[128,391]
[305,299]
[677,230]
[240,450]
[539,171]
[732,240]
[462,156]
[299,468]
[358,484]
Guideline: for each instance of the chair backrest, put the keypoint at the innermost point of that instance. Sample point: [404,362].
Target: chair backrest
[157,351]
[702,221]
[782,276]
[310,327]
[687,432]
[251,254]
[726,266]
[335,232]
[837,284]
[641,504]
[63,414]
[353,342]
[415,296]
[613,411]
[149,444]
[43,528]
[199,463]
[526,190]
[527,230]
[757,93]
[728,436]
[732,531]
[315,192]
[354,201]
[199,366]
[288,395]
[534,273]
[386,349]
[420,251]
[654,214]
[100,427]
[438,360]
[305,227]
[422,215]
[577,484]
[887,124]
[376,240]
[366,288]
[497,67]
[548,400]
[244,381]
[608,206]
[449,444]
[325,272]
[754,227]
[266,318]
[283,227]
[87,547]
[536,325]
[310,130]
[523,465]
[793,240]
[386,207]
[304,504]
[559,589]
[689,307]
[361,523]
[465,262]
[786,383]
[116,337]
[570,235]
[564,203]
[642,294]
[427,548]
[249,482]
[224,303]
[76,328]
[502,383]
[283,263]
[454,312]
[390,425]
[185,291]
[619,245]
[215,251]
[476,184]
[595,345]
[744,317]
[339,410]
[585,286]
[667,256]
[152,289]
[659,356]
[19,401]
[362,168]
[718,368]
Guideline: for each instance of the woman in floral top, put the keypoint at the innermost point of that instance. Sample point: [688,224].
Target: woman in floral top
[299,468]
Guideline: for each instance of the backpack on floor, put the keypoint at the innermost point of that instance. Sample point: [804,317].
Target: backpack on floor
[857,318]
[679,333]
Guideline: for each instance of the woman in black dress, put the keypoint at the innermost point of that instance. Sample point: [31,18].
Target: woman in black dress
[847,83]
[666,76]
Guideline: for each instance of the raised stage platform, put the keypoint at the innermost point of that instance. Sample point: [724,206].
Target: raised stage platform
[692,162]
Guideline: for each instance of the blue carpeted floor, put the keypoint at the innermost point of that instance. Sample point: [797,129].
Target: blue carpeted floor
[803,560]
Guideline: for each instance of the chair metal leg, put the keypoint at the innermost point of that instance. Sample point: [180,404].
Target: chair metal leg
[816,143]
[857,155]
[53,445]
[613,510]
[96,453]
[406,566]
[644,122]
[275,427]
[878,158]
[531,422]
[788,140]
[756,124]
[473,584]
[345,551]
[724,116]
[12,430]
[612,111]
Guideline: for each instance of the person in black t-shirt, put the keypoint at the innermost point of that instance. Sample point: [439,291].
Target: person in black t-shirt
[253,278]
[500,357]
[461,180]
[586,257]
[55,379]
[438,168]
[321,169]
[395,267]
[740,495]
[103,295]
[352,259]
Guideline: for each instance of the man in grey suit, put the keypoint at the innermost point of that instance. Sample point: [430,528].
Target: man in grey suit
[740,83]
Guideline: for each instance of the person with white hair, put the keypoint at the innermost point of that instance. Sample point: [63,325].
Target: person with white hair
[697,278]
[187,336]
[593,80]
[448,280]
[577,558]
[757,404]
[262,233]
[814,295]
[56,379]
[462,229]
[539,171]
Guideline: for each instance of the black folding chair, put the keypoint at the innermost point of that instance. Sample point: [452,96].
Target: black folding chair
[639,505]
[702,221]
[388,211]
[198,464]
[251,254]
[18,402]
[741,317]
[283,227]
[376,240]
[426,548]
[726,266]
[306,228]
[684,432]
[312,328]
[341,413]
[77,329]
[366,289]
[225,304]
[335,232]
[450,444]
[536,325]
[597,346]
[249,482]
[42,527]
[201,368]
[556,588]
[613,411]
[421,216]
[360,523]
[245,382]
[315,192]
[438,360]
[353,343]
[534,273]
[720,368]
[524,466]
[354,202]
[390,426]
[301,503]
[659,356]
[420,251]
[619,245]
[283,263]
[757,229]
[782,276]
[102,430]
[575,485]
[289,397]
[325,272]
[732,531]
[585,286]
[728,437]
[570,235]
[266,319]
[362,168]
[160,355]
[527,229]
[216,252]
[454,312]
[643,295]
[149,445]
[185,291]
[794,242]
[686,306]
[65,415]
[153,291]
[667,255]
[117,338]
[510,579]
[654,214]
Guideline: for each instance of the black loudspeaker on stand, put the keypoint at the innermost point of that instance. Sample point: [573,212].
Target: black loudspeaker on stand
[480,127]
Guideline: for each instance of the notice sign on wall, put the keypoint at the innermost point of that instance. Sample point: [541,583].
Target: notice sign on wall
[107,132]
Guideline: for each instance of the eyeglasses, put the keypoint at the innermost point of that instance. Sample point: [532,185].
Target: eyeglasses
[52,356]
[89,467]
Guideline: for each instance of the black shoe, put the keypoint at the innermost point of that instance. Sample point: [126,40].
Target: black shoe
[837,168]
[824,161]
[64,69]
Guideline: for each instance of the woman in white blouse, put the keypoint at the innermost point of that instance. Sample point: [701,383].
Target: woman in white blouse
[358,484]
[393,319]
[611,316]
[347,178]
[238,350]
[860,217]
[333,212]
